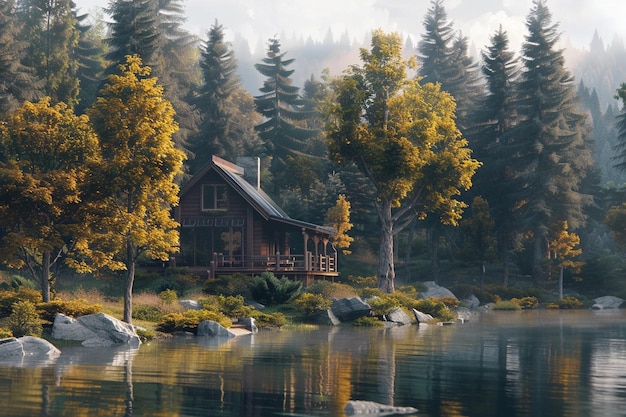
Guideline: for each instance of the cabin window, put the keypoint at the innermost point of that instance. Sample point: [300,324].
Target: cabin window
[214,197]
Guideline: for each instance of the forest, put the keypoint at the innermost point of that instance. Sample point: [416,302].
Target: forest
[497,167]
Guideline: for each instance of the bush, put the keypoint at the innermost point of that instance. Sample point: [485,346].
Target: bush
[384,304]
[435,308]
[526,302]
[4,333]
[368,322]
[236,284]
[506,305]
[72,308]
[8,298]
[168,296]
[145,334]
[309,304]
[329,289]
[570,303]
[269,290]
[147,313]
[363,282]
[264,320]
[189,321]
[233,306]
[24,320]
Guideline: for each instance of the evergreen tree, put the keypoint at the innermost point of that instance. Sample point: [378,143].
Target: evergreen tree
[620,157]
[496,117]
[280,105]
[550,154]
[17,81]
[90,54]
[220,81]
[50,28]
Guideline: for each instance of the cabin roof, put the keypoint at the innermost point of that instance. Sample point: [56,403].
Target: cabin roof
[256,197]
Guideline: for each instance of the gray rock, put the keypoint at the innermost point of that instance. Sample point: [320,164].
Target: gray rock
[422,318]
[27,350]
[371,408]
[349,309]
[249,324]
[435,291]
[397,315]
[190,304]
[464,314]
[212,328]
[471,302]
[607,302]
[325,318]
[95,330]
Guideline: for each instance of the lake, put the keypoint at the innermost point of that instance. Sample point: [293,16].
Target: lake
[524,363]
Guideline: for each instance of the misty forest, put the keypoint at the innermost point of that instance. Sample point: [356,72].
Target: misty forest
[468,165]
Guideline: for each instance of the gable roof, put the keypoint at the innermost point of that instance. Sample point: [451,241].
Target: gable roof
[256,197]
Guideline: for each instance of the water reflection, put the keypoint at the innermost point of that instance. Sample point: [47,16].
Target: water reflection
[520,364]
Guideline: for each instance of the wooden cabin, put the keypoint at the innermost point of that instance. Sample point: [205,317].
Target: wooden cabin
[229,225]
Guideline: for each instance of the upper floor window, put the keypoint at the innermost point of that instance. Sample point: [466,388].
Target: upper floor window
[214,197]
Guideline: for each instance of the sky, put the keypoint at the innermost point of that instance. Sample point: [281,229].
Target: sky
[259,20]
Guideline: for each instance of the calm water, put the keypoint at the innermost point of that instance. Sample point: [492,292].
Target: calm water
[553,364]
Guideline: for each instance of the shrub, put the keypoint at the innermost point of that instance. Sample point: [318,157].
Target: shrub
[363,282]
[24,320]
[168,296]
[309,304]
[147,313]
[383,305]
[4,333]
[264,320]
[269,290]
[526,302]
[435,308]
[145,334]
[570,303]
[236,284]
[72,308]
[368,322]
[233,306]
[329,289]
[189,320]
[506,305]
[8,298]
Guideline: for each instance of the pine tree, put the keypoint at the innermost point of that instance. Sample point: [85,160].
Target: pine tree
[280,104]
[550,154]
[17,81]
[50,28]
[496,117]
[90,54]
[220,81]
[620,157]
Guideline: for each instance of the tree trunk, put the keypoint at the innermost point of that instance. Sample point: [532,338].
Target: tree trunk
[538,257]
[386,267]
[433,244]
[128,291]
[45,277]
[561,283]
[409,247]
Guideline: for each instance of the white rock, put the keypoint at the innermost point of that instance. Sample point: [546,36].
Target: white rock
[435,291]
[371,408]
[95,330]
[190,304]
[607,302]
[422,317]
[212,328]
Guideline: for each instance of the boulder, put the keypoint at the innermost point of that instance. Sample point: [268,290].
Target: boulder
[27,350]
[398,316]
[249,324]
[435,291]
[471,302]
[325,318]
[212,328]
[95,330]
[371,408]
[190,304]
[607,302]
[349,309]
[422,318]
[464,314]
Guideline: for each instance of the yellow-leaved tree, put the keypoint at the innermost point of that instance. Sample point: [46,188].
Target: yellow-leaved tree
[338,216]
[402,136]
[46,155]
[137,177]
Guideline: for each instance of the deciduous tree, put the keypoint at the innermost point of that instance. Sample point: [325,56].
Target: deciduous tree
[403,137]
[46,155]
[137,175]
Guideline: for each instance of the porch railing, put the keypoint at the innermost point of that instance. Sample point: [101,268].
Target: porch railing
[278,262]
